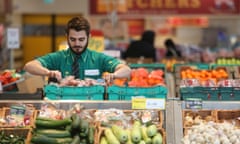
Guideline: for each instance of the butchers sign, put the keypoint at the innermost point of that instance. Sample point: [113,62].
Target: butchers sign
[126,7]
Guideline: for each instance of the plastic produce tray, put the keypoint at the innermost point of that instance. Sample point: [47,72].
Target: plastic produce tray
[126,93]
[53,92]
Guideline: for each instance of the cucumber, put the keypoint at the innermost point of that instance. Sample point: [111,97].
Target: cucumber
[42,139]
[91,135]
[157,139]
[111,138]
[76,140]
[54,133]
[103,140]
[75,122]
[84,124]
[56,124]
[145,137]
[152,130]
[120,133]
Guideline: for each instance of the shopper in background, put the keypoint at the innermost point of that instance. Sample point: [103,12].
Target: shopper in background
[236,52]
[171,49]
[143,47]
[90,64]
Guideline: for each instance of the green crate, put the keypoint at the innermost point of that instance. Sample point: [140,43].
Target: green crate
[204,93]
[214,66]
[54,92]
[150,67]
[126,93]
[236,94]
[201,66]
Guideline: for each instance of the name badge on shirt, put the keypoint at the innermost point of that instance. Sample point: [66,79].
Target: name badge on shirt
[92,72]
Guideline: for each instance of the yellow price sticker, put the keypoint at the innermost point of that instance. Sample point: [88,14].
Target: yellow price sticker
[138,103]
[148,103]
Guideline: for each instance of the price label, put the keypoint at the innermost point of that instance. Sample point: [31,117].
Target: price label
[155,104]
[138,103]
[148,103]
[13,38]
[193,103]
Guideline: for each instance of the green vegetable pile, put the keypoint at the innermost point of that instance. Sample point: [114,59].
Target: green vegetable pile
[72,130]
[6,138]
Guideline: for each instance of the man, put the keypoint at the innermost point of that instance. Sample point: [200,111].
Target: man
[78,58]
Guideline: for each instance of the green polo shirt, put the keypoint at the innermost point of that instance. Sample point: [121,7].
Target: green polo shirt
[92,63]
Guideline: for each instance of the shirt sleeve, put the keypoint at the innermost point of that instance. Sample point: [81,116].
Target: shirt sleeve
[110,63]
[50,61]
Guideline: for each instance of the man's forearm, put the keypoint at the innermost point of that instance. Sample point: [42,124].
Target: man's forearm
[34,67]
[122,71]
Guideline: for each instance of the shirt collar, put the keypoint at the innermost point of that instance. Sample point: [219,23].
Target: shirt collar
[83,56]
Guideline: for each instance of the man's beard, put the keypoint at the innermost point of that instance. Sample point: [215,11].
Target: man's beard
[78,47]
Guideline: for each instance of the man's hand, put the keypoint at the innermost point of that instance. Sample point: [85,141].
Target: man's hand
[55,74]
[109,77]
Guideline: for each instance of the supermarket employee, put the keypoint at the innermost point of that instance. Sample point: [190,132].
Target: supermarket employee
[78,60]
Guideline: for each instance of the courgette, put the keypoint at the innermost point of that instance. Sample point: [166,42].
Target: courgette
[152,130]
[157,139]
[103,140]
[120,133]
[145,137]
[136,132]
[111,138]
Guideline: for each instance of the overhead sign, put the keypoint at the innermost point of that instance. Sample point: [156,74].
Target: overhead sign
[169,7]
[13,38]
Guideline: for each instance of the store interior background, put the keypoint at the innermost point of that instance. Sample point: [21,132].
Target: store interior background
[19,13]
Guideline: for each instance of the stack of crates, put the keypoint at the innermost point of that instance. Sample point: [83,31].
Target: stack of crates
[219,93]
[177,73]
[126,93]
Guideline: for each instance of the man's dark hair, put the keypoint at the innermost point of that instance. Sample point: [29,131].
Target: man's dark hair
[78,24]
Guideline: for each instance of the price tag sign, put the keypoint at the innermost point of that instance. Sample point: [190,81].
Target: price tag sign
[148,103]
[155,104]
[138,103]
[193,103]
[13,38]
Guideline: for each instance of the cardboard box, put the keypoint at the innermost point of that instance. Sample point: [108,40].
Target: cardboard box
[30,83]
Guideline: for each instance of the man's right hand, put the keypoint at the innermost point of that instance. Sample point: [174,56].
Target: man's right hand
[55,74]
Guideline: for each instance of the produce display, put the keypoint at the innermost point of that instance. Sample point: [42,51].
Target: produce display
[86,126]
[212,133]
[204,75]
[228,61]
[142,77]
[128,127]
[211,126]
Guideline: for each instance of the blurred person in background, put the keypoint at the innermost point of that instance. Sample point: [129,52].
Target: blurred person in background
[207,56]
[171,49]
[224,53]
[91,63]
[143,47]
[236,52]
